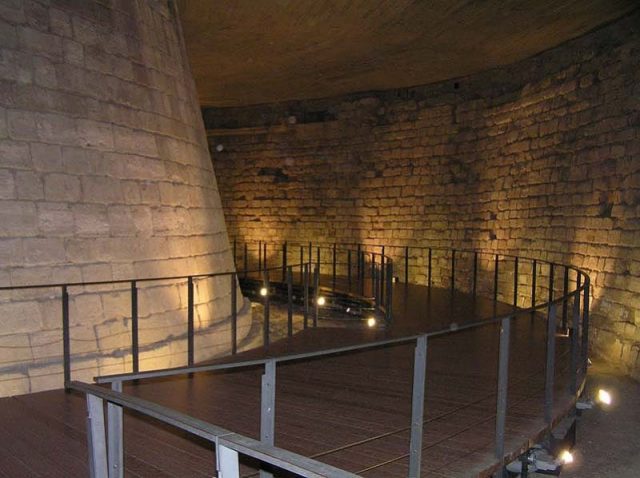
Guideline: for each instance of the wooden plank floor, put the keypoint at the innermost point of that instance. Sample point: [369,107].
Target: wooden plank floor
[352,411]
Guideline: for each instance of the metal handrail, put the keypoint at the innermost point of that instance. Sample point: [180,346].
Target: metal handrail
[101,449]
[379,269]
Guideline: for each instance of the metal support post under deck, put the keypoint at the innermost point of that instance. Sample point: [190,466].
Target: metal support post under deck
[96,438]
[268,408]
[550,368]
[503,386]
[417,406]
[115,444]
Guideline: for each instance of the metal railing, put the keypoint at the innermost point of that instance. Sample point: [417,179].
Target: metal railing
[356,269]
[106,451]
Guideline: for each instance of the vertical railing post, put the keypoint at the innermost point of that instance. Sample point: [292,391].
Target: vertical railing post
[284,261]
[551,277]
[235,251]
[382,268]
[305,292]
[260,256]
[534,276]
[515,283]
[301,264]
[388,303]
[310,252]
[234,313]
[115,446]
[66,339]
[565,302]
[585,326]
[453,270]
[373,273]
[290,301]
[503,386]
[349,268]
[417,406]
[358,257]
[550,368]
[316,295]
[429,270]
[406,265]
[135,350]
[333,272]
[318,266]
[227,462]
[266,329]
[246,259]
[98,467]
[475,273]
[264,257]
[190,322]
[268,408]
[575,334]
[496,275]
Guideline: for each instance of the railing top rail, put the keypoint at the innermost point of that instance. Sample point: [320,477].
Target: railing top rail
[275,268]
[331,351]
[278,457]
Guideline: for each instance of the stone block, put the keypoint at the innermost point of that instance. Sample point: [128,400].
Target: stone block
[46,345]
[44,73]
[22,125]
[15,66]
[46,157]
[11,252]
[29,185]
[130,221]
[14,348]
[42,251]
[55,219]
[14,383]
[95,134]
[73,52]
[113,336]
[133,141]
[56,129]
[62,187]
[8,35]
[85,308]
[7,185]
[19,219]
[15,154]
[101,189]
[90,220]
[116,305]
[60,22]
[40,43]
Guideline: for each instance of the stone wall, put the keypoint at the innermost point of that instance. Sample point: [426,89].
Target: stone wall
[540,158]
[104,175]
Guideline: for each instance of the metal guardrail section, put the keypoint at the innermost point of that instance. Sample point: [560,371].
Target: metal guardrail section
[106,449]
[359,265]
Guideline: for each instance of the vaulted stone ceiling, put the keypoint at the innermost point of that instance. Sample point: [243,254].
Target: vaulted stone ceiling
[258,51]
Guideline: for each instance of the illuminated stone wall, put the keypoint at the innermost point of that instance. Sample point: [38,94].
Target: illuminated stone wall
[540,158]
[104,175]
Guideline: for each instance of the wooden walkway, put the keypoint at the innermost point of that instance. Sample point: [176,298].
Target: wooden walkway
[352,411]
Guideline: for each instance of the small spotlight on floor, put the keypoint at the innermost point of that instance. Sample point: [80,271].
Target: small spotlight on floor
[321,301]
[604,397]
[264,292]
[566,457]
[371,322]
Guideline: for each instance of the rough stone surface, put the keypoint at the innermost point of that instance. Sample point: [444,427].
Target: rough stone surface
[103,163]
[540,158]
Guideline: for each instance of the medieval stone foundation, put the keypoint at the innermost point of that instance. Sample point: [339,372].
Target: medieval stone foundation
[540,159]
[104,175]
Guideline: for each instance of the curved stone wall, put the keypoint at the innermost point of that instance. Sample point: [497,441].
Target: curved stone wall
[540,158]
[104,174]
